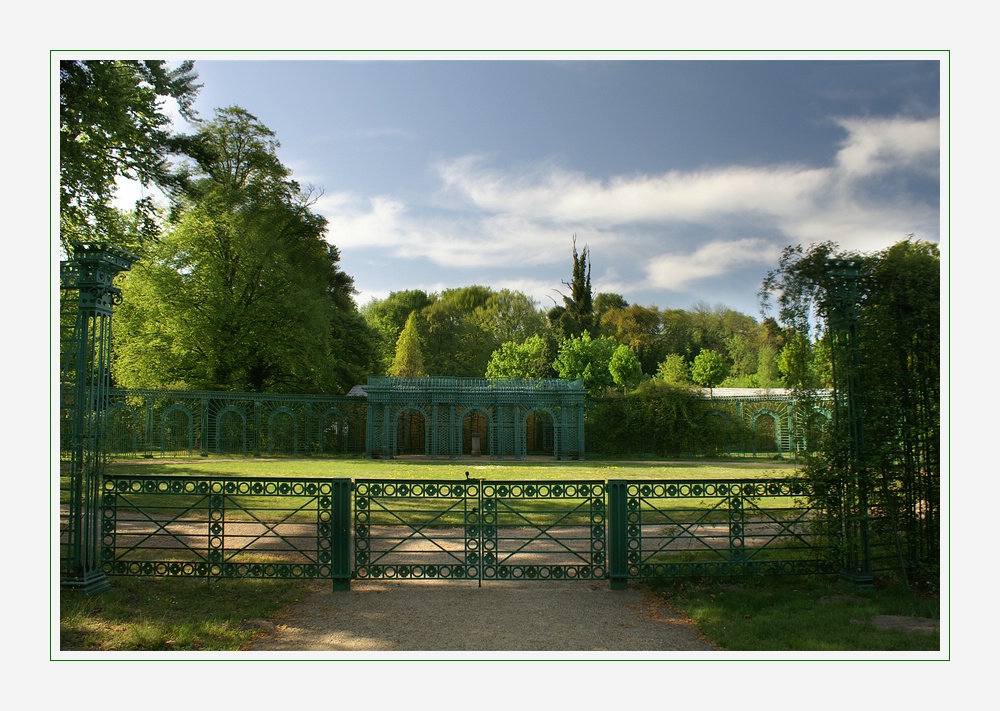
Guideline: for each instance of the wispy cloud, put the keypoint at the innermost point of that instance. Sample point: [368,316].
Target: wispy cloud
[664,231]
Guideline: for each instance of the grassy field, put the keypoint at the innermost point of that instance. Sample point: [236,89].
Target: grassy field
[455,470]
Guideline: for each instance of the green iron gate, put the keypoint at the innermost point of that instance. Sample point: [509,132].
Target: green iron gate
[472,529]
[479,530]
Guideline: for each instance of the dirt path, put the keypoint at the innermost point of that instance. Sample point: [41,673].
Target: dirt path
[427,616]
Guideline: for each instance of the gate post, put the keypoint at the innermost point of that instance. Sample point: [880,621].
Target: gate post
[618,534]
[341,564]
[84,385]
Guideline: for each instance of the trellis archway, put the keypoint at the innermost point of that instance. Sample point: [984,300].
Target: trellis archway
[454,408]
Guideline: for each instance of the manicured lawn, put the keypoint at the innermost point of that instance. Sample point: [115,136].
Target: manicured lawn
[455,470]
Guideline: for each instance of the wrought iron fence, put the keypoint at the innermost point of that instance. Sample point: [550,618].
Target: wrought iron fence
[338,530]
[525,530]
[707,528]
[226,527]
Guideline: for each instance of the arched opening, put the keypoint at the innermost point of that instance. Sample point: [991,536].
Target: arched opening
[475,433]
[817,424]
[178,432]
[231,432]
[540,434]
[281,433]
[411,432]
[336,433]
[765,433]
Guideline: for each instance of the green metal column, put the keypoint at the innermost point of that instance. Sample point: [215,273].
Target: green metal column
[737,528]
[147,446]
[618,534]
[340,549]
[90,272]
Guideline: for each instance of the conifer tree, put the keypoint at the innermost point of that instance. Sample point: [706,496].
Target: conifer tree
[409,360]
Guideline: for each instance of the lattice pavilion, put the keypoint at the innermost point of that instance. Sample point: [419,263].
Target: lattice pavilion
[452,417]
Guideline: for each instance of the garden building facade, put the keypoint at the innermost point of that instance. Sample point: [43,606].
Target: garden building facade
[445,417]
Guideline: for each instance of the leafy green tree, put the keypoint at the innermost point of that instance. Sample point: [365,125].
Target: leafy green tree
[387,317]
[528,359]
[743,356]
[242,292]
[674,370]
[795,362]
[456,341]
[625,368]
[587,358]
[641,329]
[708,369]
[605,302]
[510,316]
[112,125]
[768,375]
[409,361]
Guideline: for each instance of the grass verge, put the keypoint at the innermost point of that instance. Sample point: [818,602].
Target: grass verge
[156,614]
[814,614]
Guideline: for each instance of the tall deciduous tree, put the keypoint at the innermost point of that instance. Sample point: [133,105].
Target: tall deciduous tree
[587,358]
[242,292]
[528,359]
[456,341]
[625,368]
[674,371]
[113,124]
[709,368]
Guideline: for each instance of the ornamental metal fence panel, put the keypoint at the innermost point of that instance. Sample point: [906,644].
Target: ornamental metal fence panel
[471,530]
[665,529]
[480,530]
[226,527]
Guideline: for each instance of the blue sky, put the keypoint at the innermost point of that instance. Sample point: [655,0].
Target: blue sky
[684,177]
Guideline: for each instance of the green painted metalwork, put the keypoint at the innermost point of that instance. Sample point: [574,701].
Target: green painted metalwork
[418,529]
[527,530]
[86,305]
[227,527]
[333,529]
[163,423]
[842,309]
[722,527]
[541,530]
[452,417]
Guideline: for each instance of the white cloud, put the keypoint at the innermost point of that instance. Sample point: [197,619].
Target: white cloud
[881,145]
[556,194]
[675,272]
[644,226]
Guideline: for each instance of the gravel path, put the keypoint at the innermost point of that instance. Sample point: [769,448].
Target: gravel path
[422,616]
